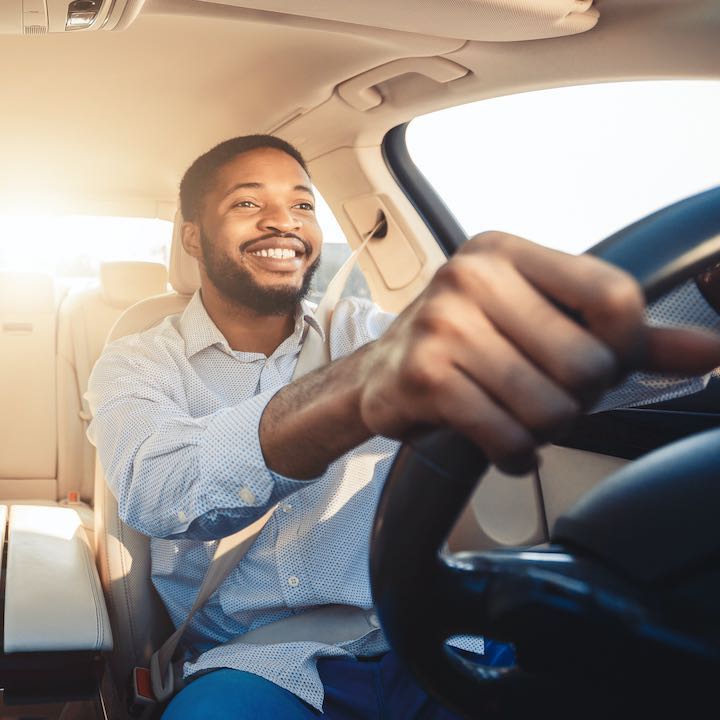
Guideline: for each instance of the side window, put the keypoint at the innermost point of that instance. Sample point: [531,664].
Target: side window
[567,167]
[334,253]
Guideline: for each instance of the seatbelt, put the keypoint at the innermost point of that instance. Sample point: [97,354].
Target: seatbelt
[330,624]
[315,352]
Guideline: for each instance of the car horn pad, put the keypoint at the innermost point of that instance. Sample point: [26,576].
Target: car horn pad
[621,613]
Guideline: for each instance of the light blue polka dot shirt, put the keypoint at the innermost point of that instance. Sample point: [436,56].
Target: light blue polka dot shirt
[176,415]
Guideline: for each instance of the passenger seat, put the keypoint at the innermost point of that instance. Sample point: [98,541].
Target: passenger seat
[84,321]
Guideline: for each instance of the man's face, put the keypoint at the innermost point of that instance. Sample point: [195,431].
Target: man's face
[259,236]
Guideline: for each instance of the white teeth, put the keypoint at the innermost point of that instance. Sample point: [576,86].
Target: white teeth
[278,253]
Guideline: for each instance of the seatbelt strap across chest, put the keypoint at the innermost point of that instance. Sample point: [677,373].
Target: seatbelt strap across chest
[314,353]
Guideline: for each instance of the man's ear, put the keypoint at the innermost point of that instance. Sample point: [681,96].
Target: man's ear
[191,239]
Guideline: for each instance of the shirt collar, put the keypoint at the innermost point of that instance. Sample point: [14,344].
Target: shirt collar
[200,332]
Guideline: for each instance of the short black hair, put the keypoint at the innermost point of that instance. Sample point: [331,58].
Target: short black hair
[199,177]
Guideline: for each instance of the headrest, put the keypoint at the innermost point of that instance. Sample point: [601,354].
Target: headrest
[123,284]
[184,272]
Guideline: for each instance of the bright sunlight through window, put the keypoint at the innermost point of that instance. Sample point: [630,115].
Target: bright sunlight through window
[72,247]
[567,167]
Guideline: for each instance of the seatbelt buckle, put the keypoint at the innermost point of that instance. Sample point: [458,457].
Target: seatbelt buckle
[141,696]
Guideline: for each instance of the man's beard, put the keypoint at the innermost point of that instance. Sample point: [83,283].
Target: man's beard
[238,284]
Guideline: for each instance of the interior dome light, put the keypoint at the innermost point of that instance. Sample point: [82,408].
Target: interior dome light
[82,13]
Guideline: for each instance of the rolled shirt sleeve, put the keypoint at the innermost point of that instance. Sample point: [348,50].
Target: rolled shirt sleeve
[175,475]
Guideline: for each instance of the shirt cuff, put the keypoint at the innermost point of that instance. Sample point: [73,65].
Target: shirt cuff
[232,451]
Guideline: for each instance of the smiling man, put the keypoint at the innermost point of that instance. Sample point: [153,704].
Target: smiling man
[254,233]
[201,429]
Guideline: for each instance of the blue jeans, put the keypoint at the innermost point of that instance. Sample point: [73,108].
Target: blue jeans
[368,689]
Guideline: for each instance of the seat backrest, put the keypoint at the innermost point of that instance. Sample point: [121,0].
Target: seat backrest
[84,321]
[28,430]
[137,615]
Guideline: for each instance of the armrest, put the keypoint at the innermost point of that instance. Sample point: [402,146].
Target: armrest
[53,596]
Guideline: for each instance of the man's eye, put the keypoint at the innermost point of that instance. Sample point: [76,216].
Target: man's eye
[245,203]
[305,206]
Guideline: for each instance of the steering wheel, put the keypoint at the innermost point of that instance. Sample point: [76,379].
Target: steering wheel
[616,607]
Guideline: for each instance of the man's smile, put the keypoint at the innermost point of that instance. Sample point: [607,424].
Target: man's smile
[286,252]
[278,253]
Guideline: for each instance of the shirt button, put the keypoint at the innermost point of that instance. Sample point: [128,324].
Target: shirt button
[374,621]
[247,495]
[293,581]
[286,507]
[182,516]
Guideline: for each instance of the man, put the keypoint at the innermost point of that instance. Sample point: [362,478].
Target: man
[200,428]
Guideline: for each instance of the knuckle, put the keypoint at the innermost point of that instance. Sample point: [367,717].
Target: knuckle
[619,294]
[490,241]
[473,275]
[421,372]
[431,318]
[440,321]
[453,274]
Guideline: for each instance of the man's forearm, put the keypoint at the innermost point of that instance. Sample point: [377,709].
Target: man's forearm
[315,420]
[482,350]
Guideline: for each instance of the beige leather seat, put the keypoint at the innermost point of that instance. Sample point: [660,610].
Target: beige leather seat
[48,343]
[28,424]
[137,616]
[29,447]
[84,320]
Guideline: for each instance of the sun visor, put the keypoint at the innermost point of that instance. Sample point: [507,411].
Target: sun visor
[489,20]
[39,17]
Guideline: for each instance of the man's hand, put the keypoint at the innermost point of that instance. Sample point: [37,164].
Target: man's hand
[487,350]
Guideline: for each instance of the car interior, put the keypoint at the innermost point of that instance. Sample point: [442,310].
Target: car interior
[105,104]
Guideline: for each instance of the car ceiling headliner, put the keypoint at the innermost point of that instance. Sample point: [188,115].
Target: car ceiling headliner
[115,117]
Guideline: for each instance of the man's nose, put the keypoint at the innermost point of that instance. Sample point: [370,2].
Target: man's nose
[280,219]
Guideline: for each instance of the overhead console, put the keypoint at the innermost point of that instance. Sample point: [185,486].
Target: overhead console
[492,20]
[38,17]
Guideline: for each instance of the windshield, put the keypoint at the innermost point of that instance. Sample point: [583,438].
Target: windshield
[567,167]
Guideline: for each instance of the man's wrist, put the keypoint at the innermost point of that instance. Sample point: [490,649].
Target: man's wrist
[313,421]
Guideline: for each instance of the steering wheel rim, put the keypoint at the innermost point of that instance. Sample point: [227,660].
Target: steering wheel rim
[424,598]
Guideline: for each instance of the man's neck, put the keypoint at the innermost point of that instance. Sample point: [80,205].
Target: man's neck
[243,328]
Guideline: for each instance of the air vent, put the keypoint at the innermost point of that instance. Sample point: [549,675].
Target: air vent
[35,30]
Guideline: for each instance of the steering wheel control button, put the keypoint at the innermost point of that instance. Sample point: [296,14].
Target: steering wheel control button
[247,495]
[293,581]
